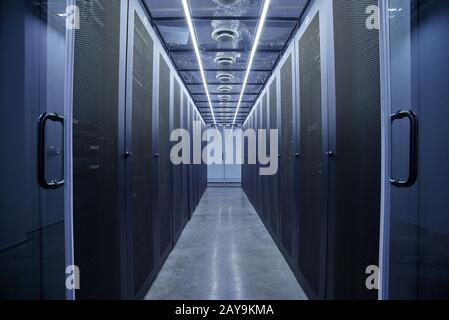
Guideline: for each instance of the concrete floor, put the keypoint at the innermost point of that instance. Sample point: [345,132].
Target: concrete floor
[225,252]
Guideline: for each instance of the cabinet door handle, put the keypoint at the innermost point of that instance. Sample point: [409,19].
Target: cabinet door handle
[413,156]
[42,180]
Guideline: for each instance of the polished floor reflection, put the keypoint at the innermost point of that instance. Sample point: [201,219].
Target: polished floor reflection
[225,252]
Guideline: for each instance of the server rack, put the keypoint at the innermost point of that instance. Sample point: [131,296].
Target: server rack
[325,200]
[127,195]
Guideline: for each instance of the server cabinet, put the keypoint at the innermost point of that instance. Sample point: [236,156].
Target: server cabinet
[140,189]
[273,188]
[313,164]
[164,213]
[176,195]
[253,164]
[353,242]
[256,177]
[185,167]
[287,195]
[96,161]
[191,166]
[415,262]
[265,180]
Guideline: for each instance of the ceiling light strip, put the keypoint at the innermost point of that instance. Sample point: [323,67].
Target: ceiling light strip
[186,7]
[263,17]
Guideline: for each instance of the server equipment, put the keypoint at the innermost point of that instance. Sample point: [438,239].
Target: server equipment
[324,97]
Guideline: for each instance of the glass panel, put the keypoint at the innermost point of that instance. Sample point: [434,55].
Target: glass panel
[286,8]
[419,225]
[254,77]
[235,60]
[141,162]
[33,61]
[311,166]
[194,89]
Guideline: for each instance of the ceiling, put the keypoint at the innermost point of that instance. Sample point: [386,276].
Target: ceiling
[233,23]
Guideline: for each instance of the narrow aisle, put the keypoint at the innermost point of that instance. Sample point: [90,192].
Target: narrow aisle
[225,252]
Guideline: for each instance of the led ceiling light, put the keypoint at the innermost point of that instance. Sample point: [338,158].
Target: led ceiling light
[185,5]
[263,16]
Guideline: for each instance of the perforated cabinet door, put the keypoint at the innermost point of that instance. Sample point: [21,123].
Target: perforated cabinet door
[164,164]
[176,196]
[312,169]
[139,165]
[273,193]
[95,145]
[354,235]
[286,163]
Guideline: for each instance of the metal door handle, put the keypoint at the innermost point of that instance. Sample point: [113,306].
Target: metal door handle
[42,180]
[413,156]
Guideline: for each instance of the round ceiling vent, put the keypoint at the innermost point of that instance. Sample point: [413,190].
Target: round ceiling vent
[225,30]
[225,77]
[225,35]
[224,104]
[225,98]
[224,110]
[225,60]
[225,89]
[227,3]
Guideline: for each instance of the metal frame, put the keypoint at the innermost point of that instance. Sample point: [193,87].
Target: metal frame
[386,153]
[280,50]
[68,153]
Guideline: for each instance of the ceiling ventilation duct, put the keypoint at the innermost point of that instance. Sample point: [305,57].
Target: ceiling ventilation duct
[225,59]
[225,88]
[225,31]
[225,77]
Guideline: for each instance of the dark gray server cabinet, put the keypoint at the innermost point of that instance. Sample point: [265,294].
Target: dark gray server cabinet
[185,167]
[176,196]
[140,189]
[265,180]
[287,194]
[95,150]
[273,187]
[312,176]
[191,166]
[164,213]
[354,215]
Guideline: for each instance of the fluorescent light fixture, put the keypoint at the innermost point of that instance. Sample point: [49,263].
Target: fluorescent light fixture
[263,16]
[186,7]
